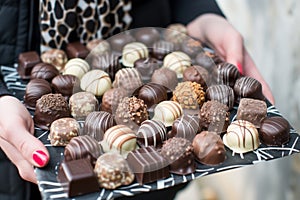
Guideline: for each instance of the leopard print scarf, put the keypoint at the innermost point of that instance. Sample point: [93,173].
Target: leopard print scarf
[64,21]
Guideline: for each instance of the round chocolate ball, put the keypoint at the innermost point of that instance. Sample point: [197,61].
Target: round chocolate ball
[147,35]
[44,71]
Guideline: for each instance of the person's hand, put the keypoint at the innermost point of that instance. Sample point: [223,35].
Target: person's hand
[216,32]
[17,140]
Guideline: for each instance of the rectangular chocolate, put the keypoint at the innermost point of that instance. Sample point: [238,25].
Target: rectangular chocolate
[77,177]
[26,61]
[148,165]
[76,50]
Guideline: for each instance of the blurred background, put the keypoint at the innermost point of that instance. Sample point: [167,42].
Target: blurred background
[272,36]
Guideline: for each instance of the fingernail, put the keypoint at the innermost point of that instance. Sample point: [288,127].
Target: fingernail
[40,157]
[240,68]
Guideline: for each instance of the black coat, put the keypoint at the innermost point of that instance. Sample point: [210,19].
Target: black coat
[19,32]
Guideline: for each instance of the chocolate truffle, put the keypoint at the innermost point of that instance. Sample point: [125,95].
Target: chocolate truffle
[197,74]
[175,33]
[65,84]
[35,89]
[120,138]
[77,67]
[147,165]
[248,87]
[132,52]
[76,50]
[209,148]
[44,71]
[82,103]
[117,42]
[252,110]
[152,93]
[208,60]
[167,112]
[111,99]
[214,116]
[56,57]
[96,123]
[77,177]
[147,35]
[98,46]
[166,77]
[95,81]
[274,131]
[151,133]
[186,127]
[146,67]
[179,154]
[49,108]
[221,93]
[191,46]
[83,146]
[177,61]
[189,95]
[131,111]
[128,79]
[241,137]
[62,130]
[225,74]
[161,48]
[26,61]
[112,171]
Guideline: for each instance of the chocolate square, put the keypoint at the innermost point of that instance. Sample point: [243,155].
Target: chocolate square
[77,50]
[26,61]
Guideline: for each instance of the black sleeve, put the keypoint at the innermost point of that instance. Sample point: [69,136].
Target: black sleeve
[184,11]
[3,89]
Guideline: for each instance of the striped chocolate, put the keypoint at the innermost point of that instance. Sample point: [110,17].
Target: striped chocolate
[177,61]
[221,93]
[132,52]
[225,74]
[248,87]
[76,67]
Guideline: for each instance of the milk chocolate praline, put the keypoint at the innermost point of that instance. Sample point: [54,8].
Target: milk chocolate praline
[111,98]
[166,77]
[26,61]
[44,71]
[197,74]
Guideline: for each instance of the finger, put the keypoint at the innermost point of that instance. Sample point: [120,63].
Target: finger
[25,169]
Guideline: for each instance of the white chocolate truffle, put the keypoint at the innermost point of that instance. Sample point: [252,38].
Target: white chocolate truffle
[241,137]
[132,52]
[95,81]
[167,112]
[178,62]
[76,67]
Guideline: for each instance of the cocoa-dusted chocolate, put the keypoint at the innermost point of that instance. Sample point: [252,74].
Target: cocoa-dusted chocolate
[132,52]
[274,131]
[166,77]
[241,136]
[44,71]
[179,154]
[214,116]
[131,111]
[117,42]
[35,89]
[151,133]
[113,171]
[56,57]
[147,35]
[146,67]
[225,74]
[161,48]
[221,93]
[248,87]
[76,67]
[209,148]
[26,61]
[177,61]
[191,46]
[128,79]
[76,50]
[65,84]
[62,130]
[49,108]
[96,123]
[83,147]
[77,177]
[189,95]
[186,126]
[111,99]
[197,74]
[82,103]
[96,82]
[252,110]
[148,165]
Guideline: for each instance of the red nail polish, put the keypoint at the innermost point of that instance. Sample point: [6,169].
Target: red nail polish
[40,158]
[240,68]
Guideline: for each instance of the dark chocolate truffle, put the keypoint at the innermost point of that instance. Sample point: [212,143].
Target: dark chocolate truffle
[147,35]
[197,74]
[76,50]
[26,61]
[65,84]
[179,154]
[208,60]
[96,123]
[146,67]
[166,77]
[44,71]
[56,57]
[191,47]
[274,131]
[161,48]
[49,108]
[214,116]
[117,42]
[225,74]
[35,89]
[151,133]
[111,99]
[221,93]
[248,87]
[209,148]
